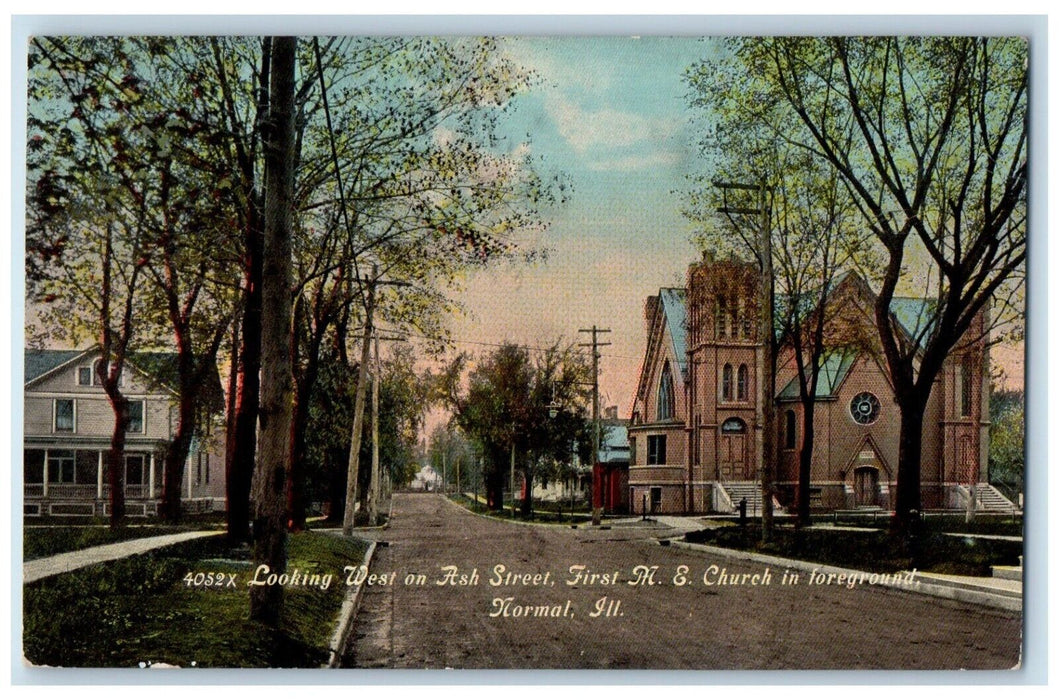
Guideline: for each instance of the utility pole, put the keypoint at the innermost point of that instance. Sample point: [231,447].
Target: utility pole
[766,439]
[597,468]
[352,475]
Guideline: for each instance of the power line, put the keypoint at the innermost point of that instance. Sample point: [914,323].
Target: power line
[456,341]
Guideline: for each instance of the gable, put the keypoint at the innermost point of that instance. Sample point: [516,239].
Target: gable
[833,370]
[674,307]
[63,377]
[666,341]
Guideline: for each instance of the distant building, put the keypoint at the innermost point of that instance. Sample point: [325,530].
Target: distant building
[614,460]
[695,430]
[67,426]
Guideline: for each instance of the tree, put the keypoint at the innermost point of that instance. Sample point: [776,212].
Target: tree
[929,136]
[447,449]
[269,484]
[89,233]
[1007,443]
[815,243]
[130,102]
[519,402]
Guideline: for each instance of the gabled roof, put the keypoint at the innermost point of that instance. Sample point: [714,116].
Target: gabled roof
[916,316]
[159,367]
[37,363]
[833,370]
[674,306]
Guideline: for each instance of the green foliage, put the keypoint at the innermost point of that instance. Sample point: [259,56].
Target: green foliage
[1007,444]
[139,610]
[509,400]
[873,551]
[38,542]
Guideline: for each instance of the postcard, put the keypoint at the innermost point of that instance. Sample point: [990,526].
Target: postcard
[405,351]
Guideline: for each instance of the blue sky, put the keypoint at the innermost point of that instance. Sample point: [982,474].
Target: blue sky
[611,115]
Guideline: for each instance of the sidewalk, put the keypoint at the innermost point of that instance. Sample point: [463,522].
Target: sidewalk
[70,561]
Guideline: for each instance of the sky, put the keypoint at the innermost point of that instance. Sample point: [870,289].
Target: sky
[610,114]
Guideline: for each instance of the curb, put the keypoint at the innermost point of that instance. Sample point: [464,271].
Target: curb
[963,595]
[346,617]
[565,526]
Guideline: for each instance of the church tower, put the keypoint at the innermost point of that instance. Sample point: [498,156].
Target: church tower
[725,356]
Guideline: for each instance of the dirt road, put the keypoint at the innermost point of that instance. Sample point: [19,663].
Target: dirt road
[539,610]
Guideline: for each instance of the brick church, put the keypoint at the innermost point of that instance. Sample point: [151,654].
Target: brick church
[695,434]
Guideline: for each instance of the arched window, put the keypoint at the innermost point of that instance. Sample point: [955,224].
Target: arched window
[966,384]
[741,386]
[733,426]
[790,437]
[666,398]
[726,383]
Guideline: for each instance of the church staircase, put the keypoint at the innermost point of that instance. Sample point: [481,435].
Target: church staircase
[738,490]
[990,500]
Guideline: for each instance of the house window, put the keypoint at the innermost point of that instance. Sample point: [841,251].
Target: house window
[60,467]
[656,449]
[656,498]
[64,416]
[97,378]
[84,376]
[135,417]
[741,385]
[966,384]
[790,437]
[666,399]
[864,408]
[726,383]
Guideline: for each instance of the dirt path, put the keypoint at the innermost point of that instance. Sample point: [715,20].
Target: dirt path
[661,626]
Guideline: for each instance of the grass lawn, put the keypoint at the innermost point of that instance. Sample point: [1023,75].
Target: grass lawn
[875,551]
[38,542]
[141,609]
[549,514]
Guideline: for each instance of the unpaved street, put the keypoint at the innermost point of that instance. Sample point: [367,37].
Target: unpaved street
[757,623]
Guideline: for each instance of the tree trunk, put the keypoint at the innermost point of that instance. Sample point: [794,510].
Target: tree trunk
[909,504]
[274,416]
[304,385]
[494,488]
[176,455]
[239,462]
[527,502]
[116,459]
[805,460]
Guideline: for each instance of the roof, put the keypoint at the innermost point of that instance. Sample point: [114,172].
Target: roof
[159,366]
[674,306]
[916,316]
[833,369]
[39,362]
[615,444]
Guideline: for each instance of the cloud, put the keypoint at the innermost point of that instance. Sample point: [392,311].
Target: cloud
[585,129]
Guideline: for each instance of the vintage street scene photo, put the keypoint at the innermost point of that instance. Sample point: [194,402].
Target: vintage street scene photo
[512,352]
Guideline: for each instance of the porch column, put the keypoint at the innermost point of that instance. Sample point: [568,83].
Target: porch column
[150,478]
[188,470]
[45,473]
[99,476]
